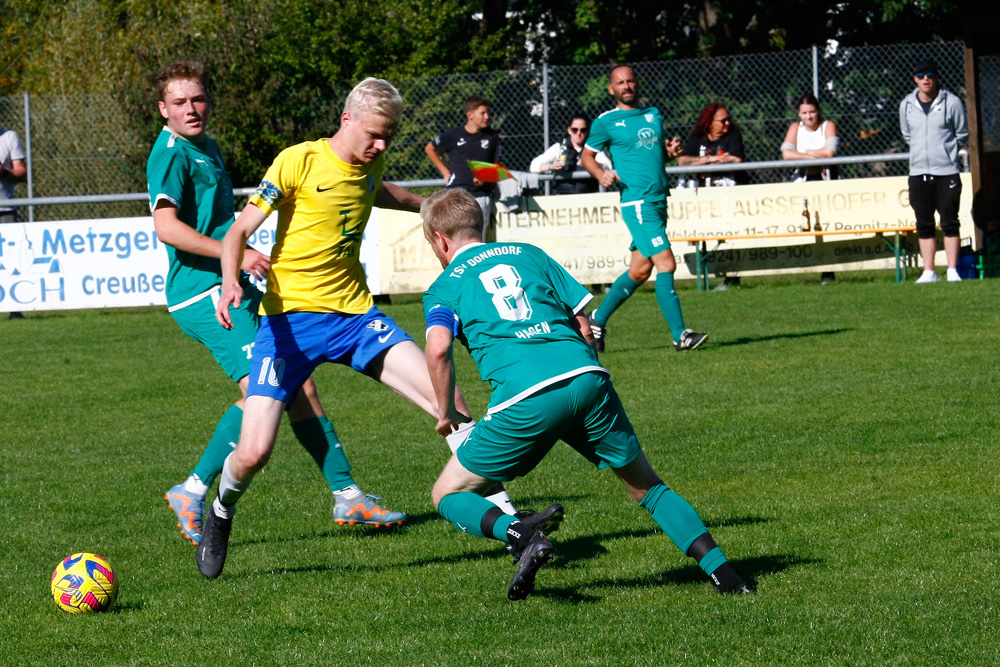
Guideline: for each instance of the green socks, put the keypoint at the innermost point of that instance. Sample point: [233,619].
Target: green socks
[223,441]
[681,523]
[620,291]
[320,439]
[670,304]
[473,514]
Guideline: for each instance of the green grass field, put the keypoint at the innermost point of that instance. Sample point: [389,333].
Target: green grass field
[840,442]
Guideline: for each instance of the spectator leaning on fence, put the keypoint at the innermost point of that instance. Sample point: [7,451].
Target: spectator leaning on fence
[13,169]
[932,120]
[810,138]
[564,157]
[475,140]
[714,139]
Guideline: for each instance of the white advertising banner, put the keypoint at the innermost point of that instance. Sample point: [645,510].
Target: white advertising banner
[120,262]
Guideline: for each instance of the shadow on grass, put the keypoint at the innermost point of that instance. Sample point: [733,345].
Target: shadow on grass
[127,607]
[751,569]
[739,521]
[746,340]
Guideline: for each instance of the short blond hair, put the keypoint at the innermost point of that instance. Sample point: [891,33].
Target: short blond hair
[455,213]
[376,96]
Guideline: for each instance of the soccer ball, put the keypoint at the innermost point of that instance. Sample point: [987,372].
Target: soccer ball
[84,583]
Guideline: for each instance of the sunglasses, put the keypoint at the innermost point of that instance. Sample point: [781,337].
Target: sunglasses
[926,75]
[577,130]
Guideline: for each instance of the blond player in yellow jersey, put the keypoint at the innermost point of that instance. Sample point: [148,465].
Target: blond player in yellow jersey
[318,307]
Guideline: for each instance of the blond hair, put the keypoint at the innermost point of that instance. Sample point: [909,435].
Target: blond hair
[455,213]
[376,96]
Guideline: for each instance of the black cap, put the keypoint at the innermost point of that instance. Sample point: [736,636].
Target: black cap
[927,65]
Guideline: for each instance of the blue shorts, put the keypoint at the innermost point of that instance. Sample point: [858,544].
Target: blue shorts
[583,411]
[647,223]
[290,346]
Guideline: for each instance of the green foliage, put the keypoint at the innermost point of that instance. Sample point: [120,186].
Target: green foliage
[842,455]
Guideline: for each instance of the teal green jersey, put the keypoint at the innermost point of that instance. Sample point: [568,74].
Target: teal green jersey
[191,176]
[633,139]
[513,307]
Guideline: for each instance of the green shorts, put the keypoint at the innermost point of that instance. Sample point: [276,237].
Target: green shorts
[647,223]
[583,411]
[232,349]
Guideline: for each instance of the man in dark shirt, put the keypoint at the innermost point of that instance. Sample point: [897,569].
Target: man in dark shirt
[475,140]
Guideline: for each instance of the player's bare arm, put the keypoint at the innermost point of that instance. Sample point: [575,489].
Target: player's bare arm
[398,198]
[175,232]
[436,160]
[18,172]
[582,327]
[589,162]
[232,255]
[441,367]
[674,147]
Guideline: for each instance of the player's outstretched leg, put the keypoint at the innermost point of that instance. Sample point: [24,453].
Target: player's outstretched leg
[187,499]
[681,524]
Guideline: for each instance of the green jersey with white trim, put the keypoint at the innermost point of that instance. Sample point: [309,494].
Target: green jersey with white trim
[191,176]
[512,307]
[634,140]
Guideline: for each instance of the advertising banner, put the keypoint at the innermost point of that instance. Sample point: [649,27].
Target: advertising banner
[120,262]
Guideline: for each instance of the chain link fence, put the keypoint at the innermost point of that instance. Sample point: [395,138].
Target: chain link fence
[79,144]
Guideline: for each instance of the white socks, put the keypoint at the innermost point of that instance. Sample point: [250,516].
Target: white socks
[195,486]
[230,491]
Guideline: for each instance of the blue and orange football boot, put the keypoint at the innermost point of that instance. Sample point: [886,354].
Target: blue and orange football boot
[190,511]
[367,511]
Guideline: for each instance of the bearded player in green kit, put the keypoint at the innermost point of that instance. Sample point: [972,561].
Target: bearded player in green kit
[631,135]
[521,316]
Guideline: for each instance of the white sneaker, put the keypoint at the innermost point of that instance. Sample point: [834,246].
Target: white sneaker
[928,277]
[953,276]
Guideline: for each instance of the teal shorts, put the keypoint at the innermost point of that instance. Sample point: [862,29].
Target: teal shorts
[232,349]
[583,411]
[647,223]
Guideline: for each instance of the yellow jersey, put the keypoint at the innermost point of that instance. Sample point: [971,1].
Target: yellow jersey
[323,206]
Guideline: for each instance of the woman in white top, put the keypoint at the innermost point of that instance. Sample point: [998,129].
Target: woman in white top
[810,138]
[563,157]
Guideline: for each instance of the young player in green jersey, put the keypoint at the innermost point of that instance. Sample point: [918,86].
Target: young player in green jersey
[191,197]
[521,316]
[631,135]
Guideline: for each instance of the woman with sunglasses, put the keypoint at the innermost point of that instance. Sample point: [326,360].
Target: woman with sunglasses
[714,139]
[563,157]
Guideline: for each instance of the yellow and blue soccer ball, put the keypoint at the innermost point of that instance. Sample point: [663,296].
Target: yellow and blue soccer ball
[84,583]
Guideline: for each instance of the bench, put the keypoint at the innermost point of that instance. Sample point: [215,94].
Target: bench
[702,263]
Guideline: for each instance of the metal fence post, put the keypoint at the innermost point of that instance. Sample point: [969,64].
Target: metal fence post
[27,152]
[545,114]
[815,51]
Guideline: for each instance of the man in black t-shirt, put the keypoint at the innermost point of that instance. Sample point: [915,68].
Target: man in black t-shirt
[475,140]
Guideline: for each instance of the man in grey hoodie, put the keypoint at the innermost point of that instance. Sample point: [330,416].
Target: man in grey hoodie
[933,122]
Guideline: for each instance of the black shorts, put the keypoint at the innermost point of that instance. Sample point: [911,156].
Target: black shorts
[935,193]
